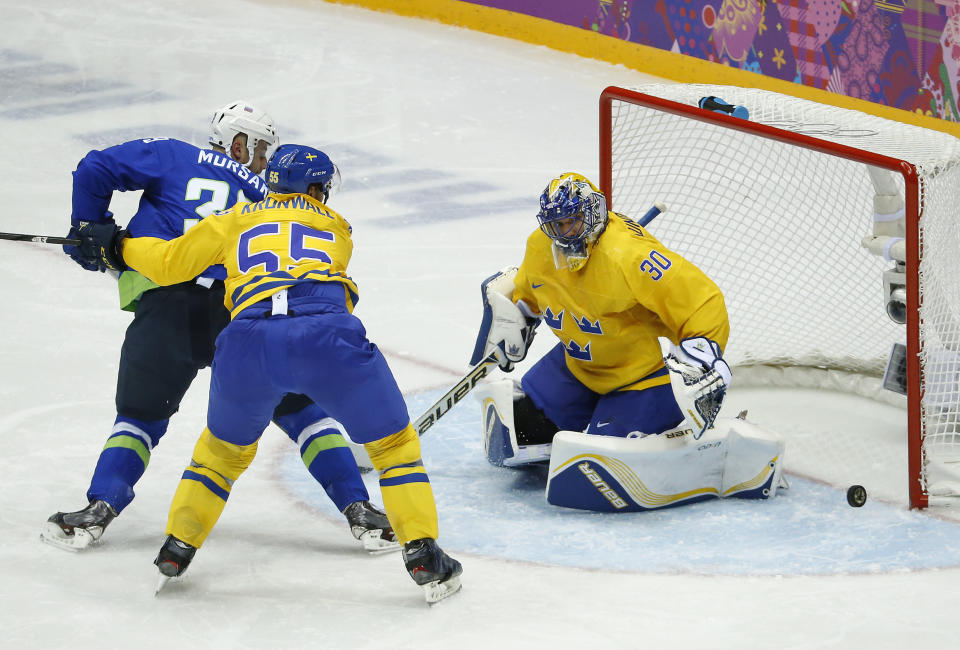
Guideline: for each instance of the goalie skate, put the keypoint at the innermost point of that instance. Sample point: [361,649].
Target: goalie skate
[75,531]
[435,571]
[371,527]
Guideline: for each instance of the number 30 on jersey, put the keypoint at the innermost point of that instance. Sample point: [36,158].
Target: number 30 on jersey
[655,265]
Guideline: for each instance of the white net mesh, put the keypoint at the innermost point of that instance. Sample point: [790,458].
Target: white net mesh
[779,226]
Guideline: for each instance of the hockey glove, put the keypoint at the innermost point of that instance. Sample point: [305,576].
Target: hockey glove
[699,377]
[99,248]
[505,330]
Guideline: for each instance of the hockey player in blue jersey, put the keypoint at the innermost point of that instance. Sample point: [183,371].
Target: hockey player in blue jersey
[174,328]
[292,329]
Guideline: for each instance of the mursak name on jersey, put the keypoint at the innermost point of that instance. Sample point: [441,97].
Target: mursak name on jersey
[206,157]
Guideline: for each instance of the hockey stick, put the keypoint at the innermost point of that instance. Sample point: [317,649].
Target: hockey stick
[652,213]
[443,405]
[40,239]
[439,408]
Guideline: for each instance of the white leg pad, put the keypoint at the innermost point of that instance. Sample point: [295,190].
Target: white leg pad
[499,434]
[608,474]
[754,460]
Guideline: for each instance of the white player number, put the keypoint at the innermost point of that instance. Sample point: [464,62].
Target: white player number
[217,194]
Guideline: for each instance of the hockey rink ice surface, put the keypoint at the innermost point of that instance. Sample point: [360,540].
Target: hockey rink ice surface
[445,139]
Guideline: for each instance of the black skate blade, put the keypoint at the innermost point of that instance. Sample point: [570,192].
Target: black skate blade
[436,591]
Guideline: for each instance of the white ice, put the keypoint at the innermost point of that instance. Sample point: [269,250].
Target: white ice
[445,138]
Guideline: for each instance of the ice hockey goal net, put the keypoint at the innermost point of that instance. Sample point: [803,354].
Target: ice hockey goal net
[779,210]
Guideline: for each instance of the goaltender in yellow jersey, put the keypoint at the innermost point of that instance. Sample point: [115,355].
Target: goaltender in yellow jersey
[626,406]
[609,290]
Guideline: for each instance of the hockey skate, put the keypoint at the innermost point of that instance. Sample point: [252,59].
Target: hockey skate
[75,531]
[371,527]
[432,569]
[172,560]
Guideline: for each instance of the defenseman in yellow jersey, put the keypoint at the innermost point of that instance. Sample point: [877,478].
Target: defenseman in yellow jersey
[292,331]
[611,293]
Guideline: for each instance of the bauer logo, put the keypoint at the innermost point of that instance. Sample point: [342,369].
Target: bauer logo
[609,493]
[455,394]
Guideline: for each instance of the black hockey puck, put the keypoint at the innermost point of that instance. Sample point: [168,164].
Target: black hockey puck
[856,495]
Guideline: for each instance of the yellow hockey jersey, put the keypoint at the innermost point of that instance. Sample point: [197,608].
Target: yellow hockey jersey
[274,244]
[609,314]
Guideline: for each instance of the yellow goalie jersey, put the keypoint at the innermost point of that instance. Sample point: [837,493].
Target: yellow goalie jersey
[609,314]
[274,244]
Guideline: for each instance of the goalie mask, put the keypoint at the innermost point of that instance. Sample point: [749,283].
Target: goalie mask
[240,117]
[573,213]
[293,168]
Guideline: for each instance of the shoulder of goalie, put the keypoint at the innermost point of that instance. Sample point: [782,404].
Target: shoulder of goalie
[736,458]
[699,377]
[507,328]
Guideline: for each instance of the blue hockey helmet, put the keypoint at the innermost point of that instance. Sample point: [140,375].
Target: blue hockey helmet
[293,168]
[573,213]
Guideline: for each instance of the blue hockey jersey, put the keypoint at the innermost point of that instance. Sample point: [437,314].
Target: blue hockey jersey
[181,185]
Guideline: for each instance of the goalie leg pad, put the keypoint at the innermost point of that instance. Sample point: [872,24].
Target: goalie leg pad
[754,461]
[499,430]
[607,474]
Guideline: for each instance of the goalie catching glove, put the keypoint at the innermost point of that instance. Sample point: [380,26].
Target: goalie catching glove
[699,377]
[507,329]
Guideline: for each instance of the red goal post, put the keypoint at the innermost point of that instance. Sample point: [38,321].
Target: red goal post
[799,214]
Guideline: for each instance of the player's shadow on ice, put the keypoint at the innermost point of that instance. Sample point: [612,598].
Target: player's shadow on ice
[528,478]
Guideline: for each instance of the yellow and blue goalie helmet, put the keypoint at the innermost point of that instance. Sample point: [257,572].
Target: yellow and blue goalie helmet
[573,213]
[242,117]
[293,168]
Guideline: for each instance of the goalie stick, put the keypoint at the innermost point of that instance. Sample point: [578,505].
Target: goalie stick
[443,405]
[651,214]
[436,411]
[40,239]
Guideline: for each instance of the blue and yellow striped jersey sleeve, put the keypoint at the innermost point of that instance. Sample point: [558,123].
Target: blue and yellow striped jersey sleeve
[277,243]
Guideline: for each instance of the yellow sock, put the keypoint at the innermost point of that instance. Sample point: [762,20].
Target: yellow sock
[205,487]
[405,486]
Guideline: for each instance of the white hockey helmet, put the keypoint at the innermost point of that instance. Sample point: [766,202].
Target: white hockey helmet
[242,117]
